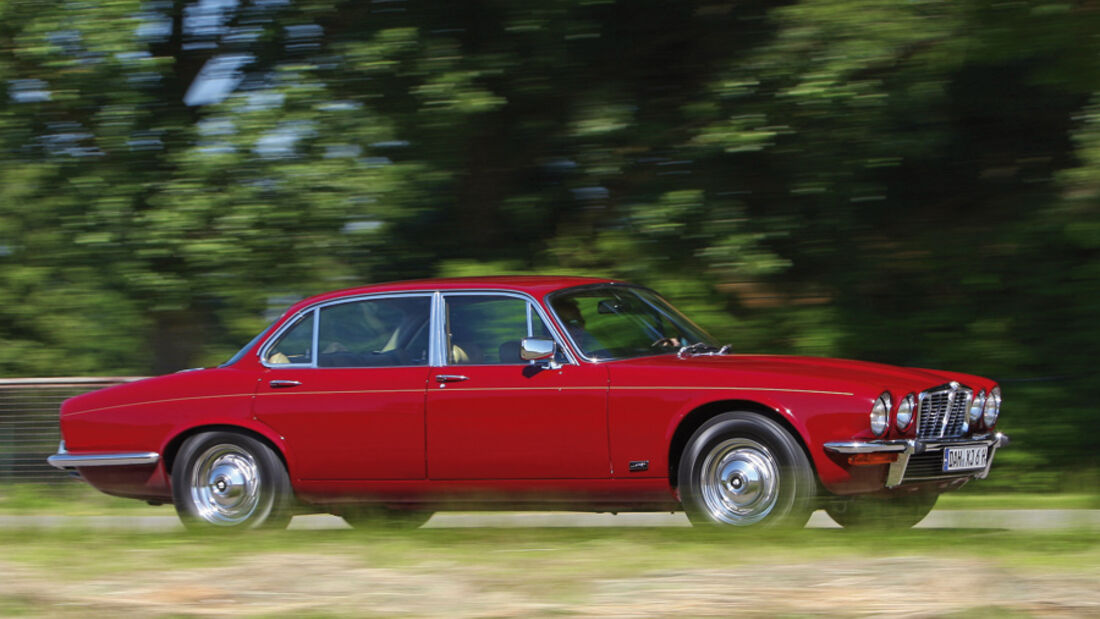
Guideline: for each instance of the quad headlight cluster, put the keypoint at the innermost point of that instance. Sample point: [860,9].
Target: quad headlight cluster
[906,411]
[992,408]
[976,408]
[984,407]
[880,414]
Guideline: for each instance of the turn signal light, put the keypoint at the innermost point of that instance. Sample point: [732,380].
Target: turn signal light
[872,459]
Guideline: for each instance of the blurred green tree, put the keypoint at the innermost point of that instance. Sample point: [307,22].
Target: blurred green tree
[906,182]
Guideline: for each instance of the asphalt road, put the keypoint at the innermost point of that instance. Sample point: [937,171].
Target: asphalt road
[1015,519]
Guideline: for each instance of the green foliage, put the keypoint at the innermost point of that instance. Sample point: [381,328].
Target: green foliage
[905,182]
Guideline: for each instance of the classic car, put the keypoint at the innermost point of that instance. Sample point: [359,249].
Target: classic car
[386,403]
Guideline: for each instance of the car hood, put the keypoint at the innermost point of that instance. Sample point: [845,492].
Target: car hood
[815,373]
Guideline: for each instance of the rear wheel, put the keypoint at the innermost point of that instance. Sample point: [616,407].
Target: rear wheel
[382,517]
[742,469]
[225,480]
[899,512]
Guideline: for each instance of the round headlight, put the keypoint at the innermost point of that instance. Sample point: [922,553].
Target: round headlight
[992,407]
[880,414]
[976,408]
[905,412]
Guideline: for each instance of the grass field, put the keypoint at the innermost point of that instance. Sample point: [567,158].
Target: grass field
[551,572]
[490,572]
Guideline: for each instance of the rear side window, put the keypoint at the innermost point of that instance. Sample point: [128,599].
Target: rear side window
[384,332]
[295,346]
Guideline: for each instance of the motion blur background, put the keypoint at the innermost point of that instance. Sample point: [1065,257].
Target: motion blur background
[910,182]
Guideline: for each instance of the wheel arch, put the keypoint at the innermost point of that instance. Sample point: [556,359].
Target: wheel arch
[694,419]
[172,447]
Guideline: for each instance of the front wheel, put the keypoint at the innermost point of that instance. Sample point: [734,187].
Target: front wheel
[901,512]
[225,480]
[742,469]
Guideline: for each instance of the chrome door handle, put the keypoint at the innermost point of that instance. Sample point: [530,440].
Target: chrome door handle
[450,378]
[280,384]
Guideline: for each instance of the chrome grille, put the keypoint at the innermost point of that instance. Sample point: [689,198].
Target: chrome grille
[942,411]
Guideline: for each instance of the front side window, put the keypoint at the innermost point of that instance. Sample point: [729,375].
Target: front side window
[615,322]
[385,332]
[487,329]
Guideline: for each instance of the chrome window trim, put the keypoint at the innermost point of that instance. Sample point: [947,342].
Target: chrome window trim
[281,331]
[549,299]
[436,338]
[316,310]
[532,302]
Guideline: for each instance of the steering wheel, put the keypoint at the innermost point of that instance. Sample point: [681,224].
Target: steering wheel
[666,342]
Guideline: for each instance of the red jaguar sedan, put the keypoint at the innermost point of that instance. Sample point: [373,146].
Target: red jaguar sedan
[388,402]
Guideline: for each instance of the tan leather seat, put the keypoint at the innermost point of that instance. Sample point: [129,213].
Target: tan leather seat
[278,359]
[458,355]
[467,354]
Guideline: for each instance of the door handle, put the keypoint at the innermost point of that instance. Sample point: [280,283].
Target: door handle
[282,384]
[450,378]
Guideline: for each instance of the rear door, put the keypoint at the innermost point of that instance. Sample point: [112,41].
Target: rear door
[345,385]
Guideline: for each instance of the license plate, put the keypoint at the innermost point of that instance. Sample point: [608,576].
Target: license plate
[964,458]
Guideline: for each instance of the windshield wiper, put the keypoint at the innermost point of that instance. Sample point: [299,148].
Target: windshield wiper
[701,348]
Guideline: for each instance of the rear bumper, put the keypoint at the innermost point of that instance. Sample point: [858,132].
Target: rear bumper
[66,461]
[907,448]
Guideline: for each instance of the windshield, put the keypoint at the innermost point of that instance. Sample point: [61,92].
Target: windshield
[616,322]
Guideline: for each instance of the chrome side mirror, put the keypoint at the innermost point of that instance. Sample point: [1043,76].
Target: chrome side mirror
[537,349]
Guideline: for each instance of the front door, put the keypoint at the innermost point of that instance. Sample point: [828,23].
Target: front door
[345,386]
[491,415]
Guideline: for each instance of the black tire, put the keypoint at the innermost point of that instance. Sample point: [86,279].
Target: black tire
[225,480]
[383,517]
[742,469]
[897,512]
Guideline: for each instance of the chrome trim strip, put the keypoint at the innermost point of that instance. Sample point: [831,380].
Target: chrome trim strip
[437,336]
[908,447]
[262,349]
[315,349]
[550,325]
[866,447]
[69,461]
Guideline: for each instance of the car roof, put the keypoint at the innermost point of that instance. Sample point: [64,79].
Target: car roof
[535,285]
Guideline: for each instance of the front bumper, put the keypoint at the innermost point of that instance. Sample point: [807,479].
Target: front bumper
[67,461]
[907,448]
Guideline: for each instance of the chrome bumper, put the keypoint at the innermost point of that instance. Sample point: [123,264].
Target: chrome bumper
[905,448]
[65,460]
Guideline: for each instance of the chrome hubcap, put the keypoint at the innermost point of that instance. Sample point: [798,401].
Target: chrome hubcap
[225,485]
[739,482]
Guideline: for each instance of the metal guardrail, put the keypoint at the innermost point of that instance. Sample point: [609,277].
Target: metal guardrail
[28,423]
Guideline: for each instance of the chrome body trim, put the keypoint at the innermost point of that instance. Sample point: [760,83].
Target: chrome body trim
[273,338]
[551,326]
[909,447]
[65,460]
[953,390]
[437,354]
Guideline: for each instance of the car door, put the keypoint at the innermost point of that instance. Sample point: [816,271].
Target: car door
[344,384]
[491,415]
